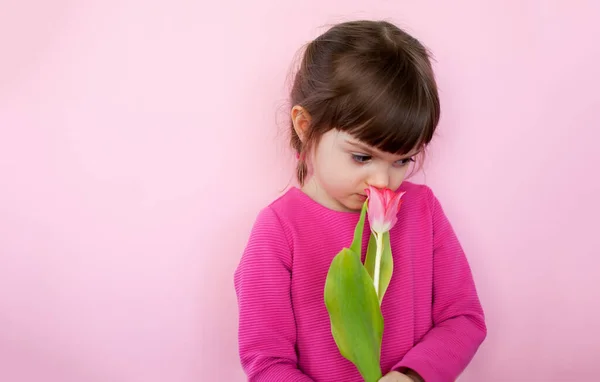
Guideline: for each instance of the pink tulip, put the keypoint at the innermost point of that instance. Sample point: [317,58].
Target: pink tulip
[383,206]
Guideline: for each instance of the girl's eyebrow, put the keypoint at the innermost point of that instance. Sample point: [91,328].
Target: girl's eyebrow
[370,151]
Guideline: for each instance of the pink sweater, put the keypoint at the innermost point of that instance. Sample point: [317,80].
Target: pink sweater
[434,322]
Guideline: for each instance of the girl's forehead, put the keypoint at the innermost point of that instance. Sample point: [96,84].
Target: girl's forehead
[343,136]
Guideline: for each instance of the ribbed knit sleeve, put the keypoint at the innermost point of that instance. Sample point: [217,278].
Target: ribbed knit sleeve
[458,319]
[267,329]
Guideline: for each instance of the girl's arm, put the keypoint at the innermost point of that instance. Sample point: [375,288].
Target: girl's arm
[267,330]
[458,320]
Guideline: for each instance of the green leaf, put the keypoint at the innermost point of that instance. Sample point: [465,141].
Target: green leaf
[356,245]
[387,263]
[354,312]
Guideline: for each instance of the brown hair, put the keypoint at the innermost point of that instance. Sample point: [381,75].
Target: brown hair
[370,79]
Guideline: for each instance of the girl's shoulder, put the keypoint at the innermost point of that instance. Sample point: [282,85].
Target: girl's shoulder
[416,191]
[283,210]
[422,208]
[417,196]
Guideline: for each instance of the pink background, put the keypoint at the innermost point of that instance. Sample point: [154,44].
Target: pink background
[138,140]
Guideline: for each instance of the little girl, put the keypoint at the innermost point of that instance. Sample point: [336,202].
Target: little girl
[364,106]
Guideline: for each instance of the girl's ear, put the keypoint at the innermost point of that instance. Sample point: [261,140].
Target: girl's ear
[301,121]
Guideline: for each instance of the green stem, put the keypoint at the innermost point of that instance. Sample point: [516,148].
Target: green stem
[378,255]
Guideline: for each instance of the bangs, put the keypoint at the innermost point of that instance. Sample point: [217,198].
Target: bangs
[394,108]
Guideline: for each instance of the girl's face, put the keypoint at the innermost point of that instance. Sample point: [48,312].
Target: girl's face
[342,167]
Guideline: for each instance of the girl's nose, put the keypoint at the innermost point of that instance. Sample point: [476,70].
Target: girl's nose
[379,179]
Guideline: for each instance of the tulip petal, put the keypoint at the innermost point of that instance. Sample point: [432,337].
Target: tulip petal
[376,209]
[391,212]
[388,196]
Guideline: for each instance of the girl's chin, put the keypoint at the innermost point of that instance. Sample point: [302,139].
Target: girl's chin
[354,203]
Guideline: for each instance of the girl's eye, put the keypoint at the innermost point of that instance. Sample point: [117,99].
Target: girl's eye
[361,158]
[404,162]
